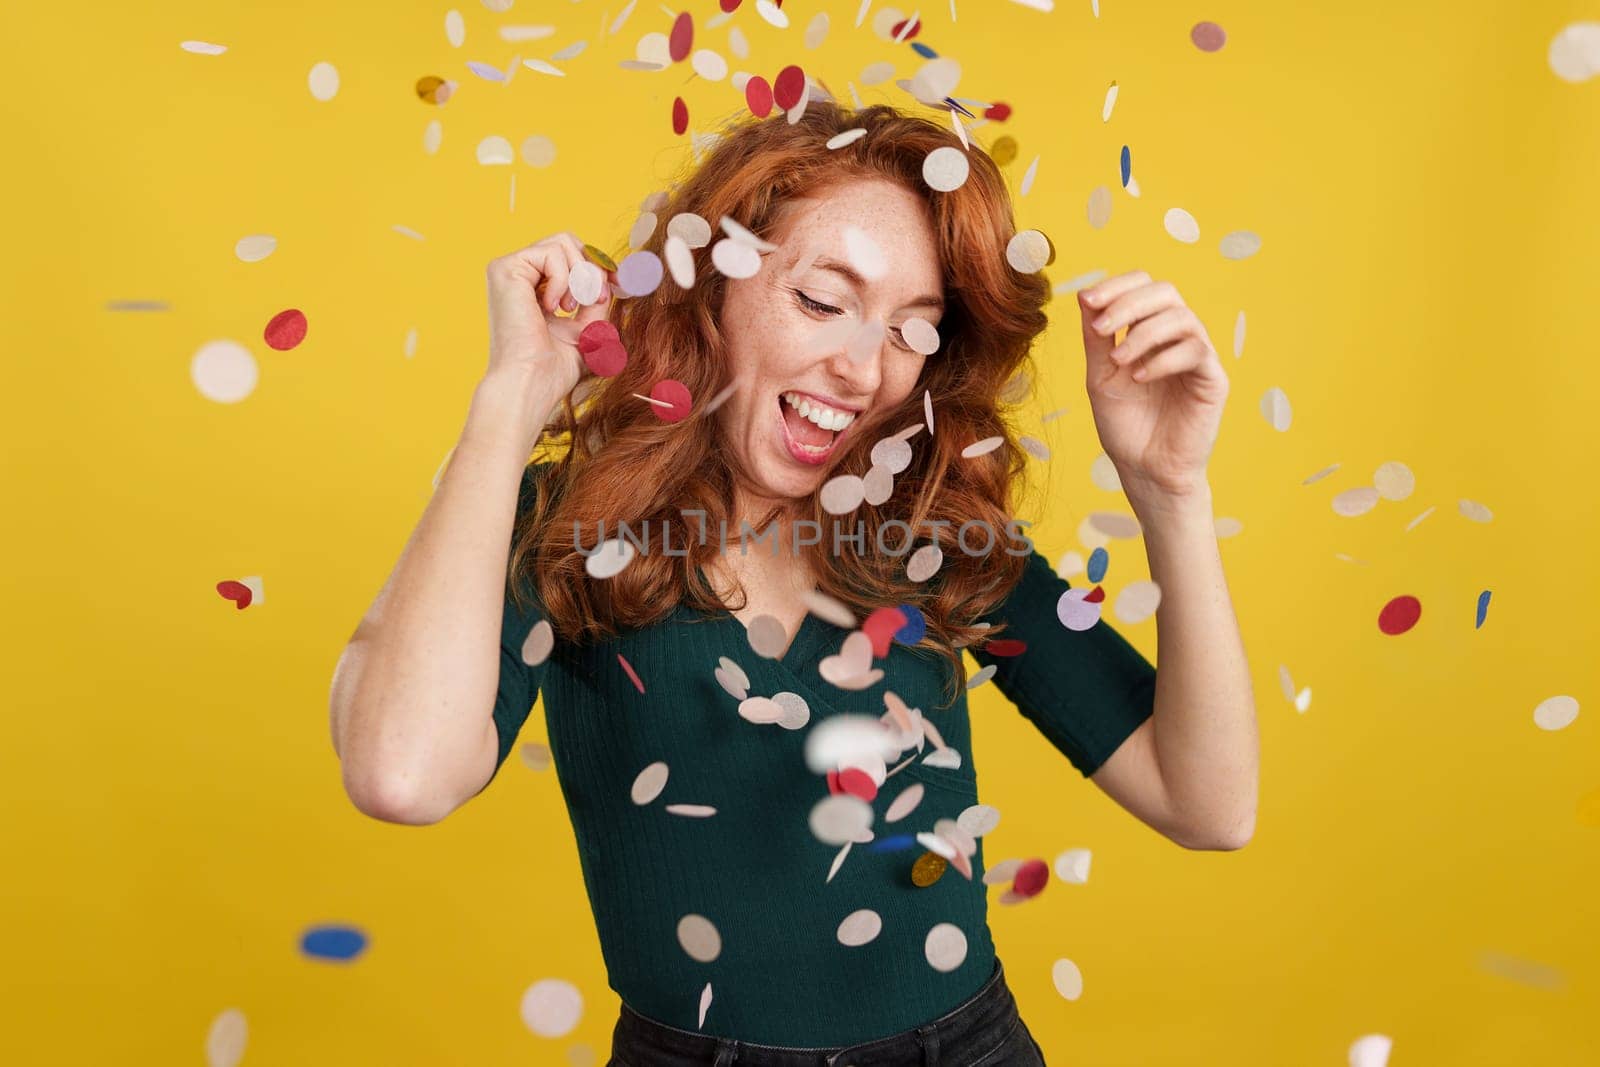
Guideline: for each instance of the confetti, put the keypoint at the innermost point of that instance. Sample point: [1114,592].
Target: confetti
[285,330]
[1399,615]
[1483,610]
[255,248]
[1126,165]
[1370,1050]
[333,942]
[223,371]
[678,400]
[1574,53]
[1556,713]
[323,81]
[551,1007]
[945,169]
[494,150]
[203,48]
[945,947]
[1207,36]
[226,1038]
[1181,225]
[1275,409]
[648,783]
[1067,978]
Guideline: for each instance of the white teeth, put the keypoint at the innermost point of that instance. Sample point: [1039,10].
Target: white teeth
[825,417]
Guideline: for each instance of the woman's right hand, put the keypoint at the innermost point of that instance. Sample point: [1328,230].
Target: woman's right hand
[526,289]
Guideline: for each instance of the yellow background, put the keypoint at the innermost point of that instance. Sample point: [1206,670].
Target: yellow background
[1424,188]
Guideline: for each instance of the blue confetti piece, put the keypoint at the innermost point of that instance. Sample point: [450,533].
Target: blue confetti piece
[333,942]
[923,50]
[898,843]
[1098,559]
[1127,165]
[1483,609]
[915,626]
[953,102]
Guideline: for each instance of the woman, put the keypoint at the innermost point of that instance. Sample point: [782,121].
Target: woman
[775,803]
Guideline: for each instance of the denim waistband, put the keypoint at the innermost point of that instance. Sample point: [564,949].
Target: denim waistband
[971,1027]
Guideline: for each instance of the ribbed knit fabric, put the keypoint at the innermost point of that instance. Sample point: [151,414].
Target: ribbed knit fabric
[754,869]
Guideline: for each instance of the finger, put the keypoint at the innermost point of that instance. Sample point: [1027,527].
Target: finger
[1135,304]
[1096,349]
[514,317]
[1160,329]
[1178,358]
[1103,292]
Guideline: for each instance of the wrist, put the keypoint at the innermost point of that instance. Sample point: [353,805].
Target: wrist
[510,406]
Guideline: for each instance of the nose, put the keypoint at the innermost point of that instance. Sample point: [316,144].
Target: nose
[858,363]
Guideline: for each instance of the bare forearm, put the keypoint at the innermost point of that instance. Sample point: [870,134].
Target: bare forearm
[1205,720]
[415,687]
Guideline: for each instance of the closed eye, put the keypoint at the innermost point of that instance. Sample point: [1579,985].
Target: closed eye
[828,309]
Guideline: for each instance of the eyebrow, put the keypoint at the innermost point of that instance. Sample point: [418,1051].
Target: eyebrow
[839,266]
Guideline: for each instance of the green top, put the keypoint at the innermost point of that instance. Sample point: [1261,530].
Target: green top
[754,868]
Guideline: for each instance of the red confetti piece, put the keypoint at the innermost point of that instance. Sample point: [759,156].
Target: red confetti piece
[730,5]
[787,87]
[681,39]
[601,348]
[629,668]
[758,95]
[1005,646]
[916,28]
[680,115]
[997,112]
[1031,878]
[1095,595]
[858,783]
[675,393]
[834,788]
[1399,614]
[237,592]
[285,329]
[881,626]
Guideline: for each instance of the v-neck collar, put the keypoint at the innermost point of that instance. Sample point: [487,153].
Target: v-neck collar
[808,636]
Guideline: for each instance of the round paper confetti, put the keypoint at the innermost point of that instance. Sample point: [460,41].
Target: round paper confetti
[333,942]
[679,401]
[639,274]
[1137,602]
[203,48]
[538,150]
[928,868]
[541,639]
[681,39]
[223,371]
[494,150]
[979,819]
[1207,36]
[1029,252]
[735,259]
[787,86]
[816,30]
[1075,612]
[1475,511]
[1275,409]
[699,938]
[1067,979]
[842,494]
[1394,481]
[983,447]
[324,81]
[600,346]
[905,802]
[860,927]
[848,137]
[609,558]
[680,115]
[649,783]
[551,1007]
[924,563]
[225,1040]
[455,28]
[796,712]
[1574,53]
[255,248]
[1003,151]
[1399,614]
[1556,713]
[945,169]
[1241,244]
[1356,501]
[758,96]
[839,818]
[945,947]
[1073,866]
[432,136]
[1181,225]
[285,330]
[1126,165]
[1099,207]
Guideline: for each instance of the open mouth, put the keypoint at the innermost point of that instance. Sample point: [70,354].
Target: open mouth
[811,430]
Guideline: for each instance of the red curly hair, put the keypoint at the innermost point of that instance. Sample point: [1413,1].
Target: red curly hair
[617,461]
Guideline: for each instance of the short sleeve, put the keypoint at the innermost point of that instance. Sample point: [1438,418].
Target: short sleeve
[1085,690]
[519,682]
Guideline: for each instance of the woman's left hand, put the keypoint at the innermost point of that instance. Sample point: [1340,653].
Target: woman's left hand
[1157,397]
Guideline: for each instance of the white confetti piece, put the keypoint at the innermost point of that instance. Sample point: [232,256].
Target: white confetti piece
[323,81]
[945,169]
[860,927]
[649,783]
[1181,225]
[699,938]
[455,28]
[1371,1050]
[1574,53]
[226,1038]
[255,248]
[432,136]
[1275,409]
[203,48]
[945,947]
[224,371]
[609,558]
[1067,979]
[551,1007]
[1241,244]
[494,150]
[1556,713]
[1073,866]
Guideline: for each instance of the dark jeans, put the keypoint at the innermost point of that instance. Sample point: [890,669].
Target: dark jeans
[985,1030]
